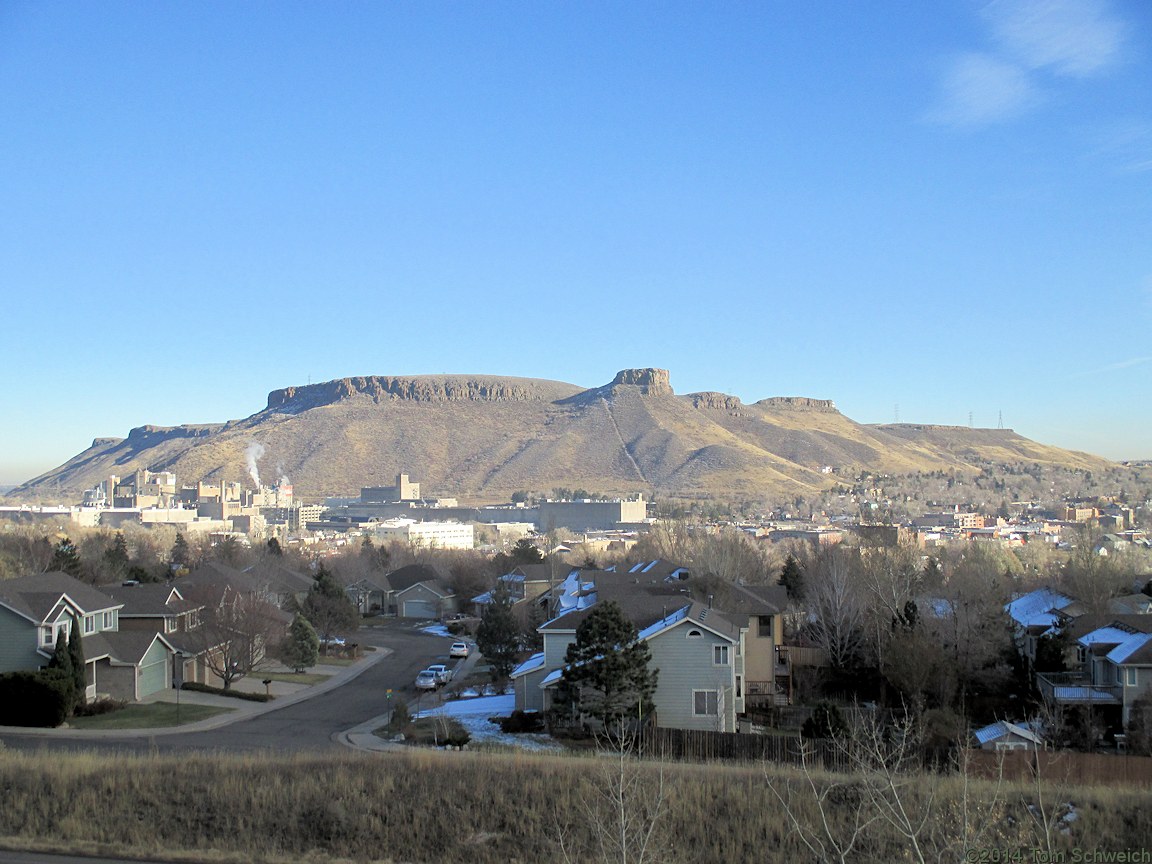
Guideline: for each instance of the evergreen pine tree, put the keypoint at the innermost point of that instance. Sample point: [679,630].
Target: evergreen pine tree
[179,556]
[792,578]
[607,668]
[62,660]
[116,556]
[328,607]
[302,647]
[525,552]
[498,636]
[76,655]
[273,547]
[66,559]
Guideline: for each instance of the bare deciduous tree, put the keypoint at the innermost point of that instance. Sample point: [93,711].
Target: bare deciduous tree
[236,630]
[836,607]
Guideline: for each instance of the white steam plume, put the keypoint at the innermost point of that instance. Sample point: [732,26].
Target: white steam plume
[251,455]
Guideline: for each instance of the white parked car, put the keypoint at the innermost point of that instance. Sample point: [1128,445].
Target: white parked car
[458,649]
[443,674]
[426,680]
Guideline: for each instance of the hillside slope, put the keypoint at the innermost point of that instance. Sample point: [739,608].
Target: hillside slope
[482,438]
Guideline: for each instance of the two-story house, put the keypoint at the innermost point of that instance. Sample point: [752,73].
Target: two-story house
[161,608]
[35,609]
[697,652]
[1111,668]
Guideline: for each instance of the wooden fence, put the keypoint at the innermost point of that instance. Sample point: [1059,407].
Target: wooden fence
[1062,767]
[695,745]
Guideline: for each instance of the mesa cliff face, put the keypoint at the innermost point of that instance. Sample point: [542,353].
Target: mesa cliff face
[482,437]
[420,388]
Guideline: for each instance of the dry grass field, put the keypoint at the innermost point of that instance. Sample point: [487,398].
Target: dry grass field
[482,807]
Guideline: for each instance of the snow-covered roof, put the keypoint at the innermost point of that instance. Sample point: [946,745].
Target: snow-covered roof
[552,678]
[664,623]
[1037,608]
[532,663]
[1105,636]
[1003,728]
[1135,641]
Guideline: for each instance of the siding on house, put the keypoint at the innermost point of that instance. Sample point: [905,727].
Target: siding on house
[556,648]
[686,665]
[18,638]
[529,695]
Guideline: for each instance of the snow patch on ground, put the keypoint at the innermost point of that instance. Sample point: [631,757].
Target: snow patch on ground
[473,715]
[436,630]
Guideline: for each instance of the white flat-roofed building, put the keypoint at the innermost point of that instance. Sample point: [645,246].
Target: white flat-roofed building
[439,535]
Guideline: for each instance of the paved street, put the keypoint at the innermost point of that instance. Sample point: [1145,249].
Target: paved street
[310,724]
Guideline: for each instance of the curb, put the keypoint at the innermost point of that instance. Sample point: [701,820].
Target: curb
[243,711]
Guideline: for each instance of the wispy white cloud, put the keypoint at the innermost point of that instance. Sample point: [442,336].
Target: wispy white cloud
[1067,37]
[1034,41]
[979,89]
[1119,366]
[1127,144]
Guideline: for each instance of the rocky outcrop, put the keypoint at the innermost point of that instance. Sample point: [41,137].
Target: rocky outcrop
[712,399]
[652,382]
[799,403]
[149,435]
[421,388]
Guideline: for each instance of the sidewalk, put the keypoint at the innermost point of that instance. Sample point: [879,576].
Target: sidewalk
[239,709]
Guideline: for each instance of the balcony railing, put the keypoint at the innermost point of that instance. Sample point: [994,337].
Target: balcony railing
[1076,688]
[761,693]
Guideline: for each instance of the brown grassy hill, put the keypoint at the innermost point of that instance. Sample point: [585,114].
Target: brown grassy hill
[482,438]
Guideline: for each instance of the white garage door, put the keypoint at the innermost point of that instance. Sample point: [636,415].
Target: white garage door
[419,609]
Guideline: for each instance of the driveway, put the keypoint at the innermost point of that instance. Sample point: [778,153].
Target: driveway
[309,724]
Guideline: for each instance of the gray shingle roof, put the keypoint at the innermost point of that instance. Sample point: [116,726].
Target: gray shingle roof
[35,596]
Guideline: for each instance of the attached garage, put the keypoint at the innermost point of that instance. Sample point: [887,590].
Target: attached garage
[152,672]
[420,609]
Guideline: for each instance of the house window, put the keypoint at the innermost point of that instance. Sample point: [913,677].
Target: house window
[720,655]
[1081,654]
[694,634]
[764,626]
[705,703]
[89,624]
[107,621]
[46,636]
[1130,677]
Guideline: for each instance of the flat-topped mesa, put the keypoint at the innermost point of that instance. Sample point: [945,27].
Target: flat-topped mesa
[800,403]
[652,382]
[150,435]
[420,388]
[718,401]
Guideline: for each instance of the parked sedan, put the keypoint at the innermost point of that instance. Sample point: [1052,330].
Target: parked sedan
[426,680]
[458,649]
[442,672]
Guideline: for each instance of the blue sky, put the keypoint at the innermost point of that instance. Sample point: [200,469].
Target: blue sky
[945,207]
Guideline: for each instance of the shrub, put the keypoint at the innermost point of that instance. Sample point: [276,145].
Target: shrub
[401,718]
[41,698]
[98,707]
[520,721]
[220,691]
[825,722]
